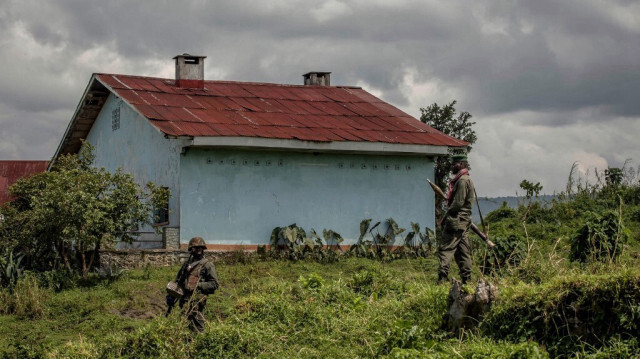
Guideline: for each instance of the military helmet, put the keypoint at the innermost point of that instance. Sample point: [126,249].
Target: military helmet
[197,242]
[458,157]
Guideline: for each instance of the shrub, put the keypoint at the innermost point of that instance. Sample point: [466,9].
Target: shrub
[371,283]
[568,312]
[601,238]
[59,279]
[508,252]
[69,213]
[313,281]
[501,213]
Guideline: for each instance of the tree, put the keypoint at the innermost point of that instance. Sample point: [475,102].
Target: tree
[613,176]
[445,119]
[70,212]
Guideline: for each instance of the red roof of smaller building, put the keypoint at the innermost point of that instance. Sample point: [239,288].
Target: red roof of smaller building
[12,171]
[246,109]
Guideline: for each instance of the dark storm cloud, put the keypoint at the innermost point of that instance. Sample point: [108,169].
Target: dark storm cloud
[566,66]
[574,54]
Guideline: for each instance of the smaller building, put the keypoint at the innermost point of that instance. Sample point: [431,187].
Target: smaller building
[12,171]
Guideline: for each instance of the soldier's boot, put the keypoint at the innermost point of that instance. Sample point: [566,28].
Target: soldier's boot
[466,279]
[443,278]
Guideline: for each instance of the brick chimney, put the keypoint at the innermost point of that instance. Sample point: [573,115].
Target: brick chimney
[317,79]
[190,71]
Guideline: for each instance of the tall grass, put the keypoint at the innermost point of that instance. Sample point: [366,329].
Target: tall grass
[24,300]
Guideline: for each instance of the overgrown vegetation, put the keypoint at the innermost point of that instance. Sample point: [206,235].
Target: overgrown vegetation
[64,216]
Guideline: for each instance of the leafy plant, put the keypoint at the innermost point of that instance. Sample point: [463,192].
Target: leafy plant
[507,252]
[10,268]
[113,272]
[403,335]
[312,281]
[416,243]
[294,243]
[378,245]
[601,238]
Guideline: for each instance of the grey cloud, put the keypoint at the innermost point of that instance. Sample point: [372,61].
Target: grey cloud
[568,65]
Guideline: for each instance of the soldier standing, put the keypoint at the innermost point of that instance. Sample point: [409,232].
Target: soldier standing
[456,222]
[198,278]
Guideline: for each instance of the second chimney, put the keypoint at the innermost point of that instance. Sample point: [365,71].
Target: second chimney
[190,71]
[317,79]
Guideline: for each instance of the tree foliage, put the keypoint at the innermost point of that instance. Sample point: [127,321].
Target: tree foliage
[65,215]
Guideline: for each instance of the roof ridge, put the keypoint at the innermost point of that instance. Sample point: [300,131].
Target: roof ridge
[232,82]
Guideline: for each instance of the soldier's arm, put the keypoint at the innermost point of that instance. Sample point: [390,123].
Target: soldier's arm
[209,280]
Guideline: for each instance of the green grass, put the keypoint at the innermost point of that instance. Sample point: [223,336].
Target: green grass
[352,308]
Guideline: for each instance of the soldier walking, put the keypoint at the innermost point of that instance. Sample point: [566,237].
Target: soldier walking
[456,222]
[197,278]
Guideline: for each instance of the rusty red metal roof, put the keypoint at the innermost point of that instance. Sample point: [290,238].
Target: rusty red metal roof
[12,171]
[246,109]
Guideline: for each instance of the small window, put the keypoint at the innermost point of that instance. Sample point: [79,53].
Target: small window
[115,119]
[161,212]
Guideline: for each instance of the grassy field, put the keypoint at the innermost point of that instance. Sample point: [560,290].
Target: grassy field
[348,309]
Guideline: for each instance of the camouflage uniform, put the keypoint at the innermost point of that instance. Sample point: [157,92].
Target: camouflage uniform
[455,231]
[198,278]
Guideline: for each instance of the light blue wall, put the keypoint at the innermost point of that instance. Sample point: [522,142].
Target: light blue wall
[238,197]
[137,148]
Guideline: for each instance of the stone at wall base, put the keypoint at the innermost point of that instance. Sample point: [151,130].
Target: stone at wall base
[136,258]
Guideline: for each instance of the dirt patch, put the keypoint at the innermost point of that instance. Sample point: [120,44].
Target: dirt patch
[147,304]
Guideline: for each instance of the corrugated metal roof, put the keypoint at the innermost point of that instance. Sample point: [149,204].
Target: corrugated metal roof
[246,109]
[12,171]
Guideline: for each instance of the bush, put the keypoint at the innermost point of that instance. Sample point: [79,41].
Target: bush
[371,283]
[601,238]
[569,312]
[501,213]
[507,253]
[69,213]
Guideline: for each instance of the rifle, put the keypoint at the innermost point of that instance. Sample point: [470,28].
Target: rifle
[176,287]
[474,228]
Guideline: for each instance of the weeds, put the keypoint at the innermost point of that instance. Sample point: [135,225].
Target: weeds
[26,300]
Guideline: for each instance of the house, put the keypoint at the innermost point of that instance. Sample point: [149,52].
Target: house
[241,158]
[12,171]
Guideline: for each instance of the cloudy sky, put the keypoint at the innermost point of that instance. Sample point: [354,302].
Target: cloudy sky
[548,83]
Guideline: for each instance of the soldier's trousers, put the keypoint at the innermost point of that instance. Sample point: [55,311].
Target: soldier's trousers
[193,307]
[455,244]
